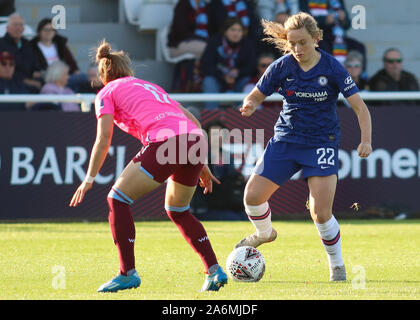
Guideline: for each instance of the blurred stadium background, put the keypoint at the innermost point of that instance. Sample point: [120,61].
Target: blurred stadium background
[386,187]
[134,27]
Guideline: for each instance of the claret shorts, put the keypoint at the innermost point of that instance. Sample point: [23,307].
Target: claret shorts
[180,158]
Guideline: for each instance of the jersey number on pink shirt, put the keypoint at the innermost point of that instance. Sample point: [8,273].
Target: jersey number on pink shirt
[158,95]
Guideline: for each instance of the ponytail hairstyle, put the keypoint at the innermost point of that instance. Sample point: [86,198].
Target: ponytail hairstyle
[277,33]
[112,64]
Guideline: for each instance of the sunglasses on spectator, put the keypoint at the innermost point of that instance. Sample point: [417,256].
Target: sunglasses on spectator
[353,65]
[263,65]
[48,29]
[393,60]
[10,64]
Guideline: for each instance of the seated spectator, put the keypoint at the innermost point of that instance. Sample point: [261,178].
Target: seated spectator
[49,47]
[7,7]
[56,79]
[277,10]
[27,68]
[228,61]
[392,77]
[264,61]
[354,66]
[220,10]
[188,33]
[94,83]
[9,85]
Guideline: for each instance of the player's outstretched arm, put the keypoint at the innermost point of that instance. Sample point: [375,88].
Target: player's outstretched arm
[251,102]
[363,115]
[99,152]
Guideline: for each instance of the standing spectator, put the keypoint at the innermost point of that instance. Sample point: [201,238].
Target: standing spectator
[264,61]
[9,85]
[228,61]
[49,47]
[354,66]
[27,68]
[392,77]
[56,79]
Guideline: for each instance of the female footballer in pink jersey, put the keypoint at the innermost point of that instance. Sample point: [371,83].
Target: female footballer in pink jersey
[173,147]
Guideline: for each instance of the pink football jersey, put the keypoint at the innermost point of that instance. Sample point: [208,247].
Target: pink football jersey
[143,109]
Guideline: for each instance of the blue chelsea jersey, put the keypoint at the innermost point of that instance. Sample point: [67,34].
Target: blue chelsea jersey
[309,114]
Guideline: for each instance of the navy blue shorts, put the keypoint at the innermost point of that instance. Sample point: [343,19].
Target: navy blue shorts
[281,160]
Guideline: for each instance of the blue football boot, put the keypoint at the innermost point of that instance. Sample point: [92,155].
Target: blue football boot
[121,282]
[215,280]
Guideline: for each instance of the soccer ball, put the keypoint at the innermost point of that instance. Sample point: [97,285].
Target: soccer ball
[245,264]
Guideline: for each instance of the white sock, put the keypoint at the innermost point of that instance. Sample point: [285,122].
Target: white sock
[260,217]
[331,239]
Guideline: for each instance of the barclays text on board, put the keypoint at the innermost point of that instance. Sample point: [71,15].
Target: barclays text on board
[403,163]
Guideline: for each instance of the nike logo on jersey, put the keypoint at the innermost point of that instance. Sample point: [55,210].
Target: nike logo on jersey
[324,167]
[289,79]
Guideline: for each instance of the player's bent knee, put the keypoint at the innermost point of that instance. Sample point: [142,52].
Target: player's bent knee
[173,210]
[117,194]
[253,199]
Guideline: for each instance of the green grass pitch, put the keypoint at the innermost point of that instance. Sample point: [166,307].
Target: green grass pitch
[70,261]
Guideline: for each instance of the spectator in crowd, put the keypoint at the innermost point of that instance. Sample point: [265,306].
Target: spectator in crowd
[9,85]
[189,31]
[220,10]
[277,10]
[227,196]
[7,7]
[56,79]
[49,47]
[354,66]
[333,19]
[264,61]
[392,77]
[94,83]
[27,68]
[228,61]
[188,34]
